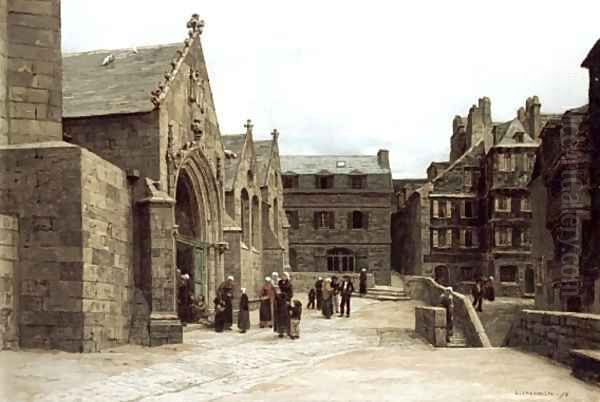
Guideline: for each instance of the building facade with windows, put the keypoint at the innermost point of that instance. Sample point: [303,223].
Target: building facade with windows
[339,212]
[472,218]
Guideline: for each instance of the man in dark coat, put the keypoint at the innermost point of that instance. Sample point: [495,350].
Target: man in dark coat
[346,289]
[477,293]
[488,289]
[319,292]
[225,292]
[363,282]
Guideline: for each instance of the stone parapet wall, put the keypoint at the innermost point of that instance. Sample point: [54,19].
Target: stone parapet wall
[8,292]
[465,316]
[430,323]
[554,334]
[304,281]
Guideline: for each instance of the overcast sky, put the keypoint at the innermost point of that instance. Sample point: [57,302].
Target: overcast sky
[342,76]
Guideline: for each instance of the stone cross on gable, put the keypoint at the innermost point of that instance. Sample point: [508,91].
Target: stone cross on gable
[248,126]
[275,134]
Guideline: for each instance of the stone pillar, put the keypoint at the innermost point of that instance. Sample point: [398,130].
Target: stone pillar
[3,72]
[34,71]
[158,260]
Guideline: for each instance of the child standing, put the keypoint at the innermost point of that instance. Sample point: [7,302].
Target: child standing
[311,299]
[295,316]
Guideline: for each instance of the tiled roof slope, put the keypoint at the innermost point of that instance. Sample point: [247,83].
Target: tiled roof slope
[313,164]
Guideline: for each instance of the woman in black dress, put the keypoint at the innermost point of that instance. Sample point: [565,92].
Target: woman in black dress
[244,314]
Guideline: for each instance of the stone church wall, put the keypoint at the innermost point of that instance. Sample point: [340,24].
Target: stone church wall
[8,296]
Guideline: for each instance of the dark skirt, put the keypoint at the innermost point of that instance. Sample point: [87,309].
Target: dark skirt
[219,321]
[363,287]
[265,311]
[327,307]
[244,320]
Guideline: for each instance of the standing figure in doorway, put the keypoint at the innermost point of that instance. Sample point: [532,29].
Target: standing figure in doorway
[267,300]
[225,291]
[319,292]
[363,282]
[346,290]
[244,314]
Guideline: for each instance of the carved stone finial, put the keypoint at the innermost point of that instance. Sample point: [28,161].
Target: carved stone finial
[275,134]
[248,126]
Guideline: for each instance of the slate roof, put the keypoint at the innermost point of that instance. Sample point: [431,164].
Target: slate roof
[233,143]
[123,86]
[314,164]
[505,134]
[263,157]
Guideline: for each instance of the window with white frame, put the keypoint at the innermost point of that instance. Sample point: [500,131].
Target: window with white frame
[468,178]
[525,204]
[468,238]
[442,209]
[503,236]
[502,203]
[505,162]
[525,239]
[442,238]
[467,209]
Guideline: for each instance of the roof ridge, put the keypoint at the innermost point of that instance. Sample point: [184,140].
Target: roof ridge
[195,26]
[120,49]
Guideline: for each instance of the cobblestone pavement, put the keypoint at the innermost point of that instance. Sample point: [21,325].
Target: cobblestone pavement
[371,356]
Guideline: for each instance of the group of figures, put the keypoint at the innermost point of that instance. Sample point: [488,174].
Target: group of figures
[189,307]
[278,309]
[331,296]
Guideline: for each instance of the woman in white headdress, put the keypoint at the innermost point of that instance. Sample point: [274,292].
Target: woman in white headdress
[267,298]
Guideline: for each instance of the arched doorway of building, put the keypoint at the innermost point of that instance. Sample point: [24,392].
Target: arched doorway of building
[440,274]
[198,216]
[191,250]
[340,260]
[529,280]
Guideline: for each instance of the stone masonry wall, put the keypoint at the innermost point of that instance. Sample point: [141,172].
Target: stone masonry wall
[554,334]
[430,323]
[107,280]
[8,290]
[129,141]
[465,317]
[42,186]
[34,71]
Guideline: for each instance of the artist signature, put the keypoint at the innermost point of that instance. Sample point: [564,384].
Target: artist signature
[543,394]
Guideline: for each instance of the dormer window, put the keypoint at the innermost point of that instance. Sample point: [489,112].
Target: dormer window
[519,137]
[340,164]
[324,181]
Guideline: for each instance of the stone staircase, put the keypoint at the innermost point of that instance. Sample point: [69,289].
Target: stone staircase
[457,340]
[385,293]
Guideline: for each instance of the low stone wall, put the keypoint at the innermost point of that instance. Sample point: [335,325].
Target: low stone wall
[304,281]
[465,317]
[430,323]
[8,291]
[554,334]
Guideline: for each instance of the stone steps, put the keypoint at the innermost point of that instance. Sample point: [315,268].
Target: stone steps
[386,293]
[457,340]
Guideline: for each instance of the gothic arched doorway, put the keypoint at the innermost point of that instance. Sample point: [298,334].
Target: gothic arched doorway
[199,233]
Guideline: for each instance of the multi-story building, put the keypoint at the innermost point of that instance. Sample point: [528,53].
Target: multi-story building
[472,217]
[339,210]
[566,205]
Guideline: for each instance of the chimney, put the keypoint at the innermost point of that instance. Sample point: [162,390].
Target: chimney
[383,158]
[592,63]
[457,142]
[475,126]
[532,111]
[485,106]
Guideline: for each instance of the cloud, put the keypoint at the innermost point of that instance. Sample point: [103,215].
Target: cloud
[356,76]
